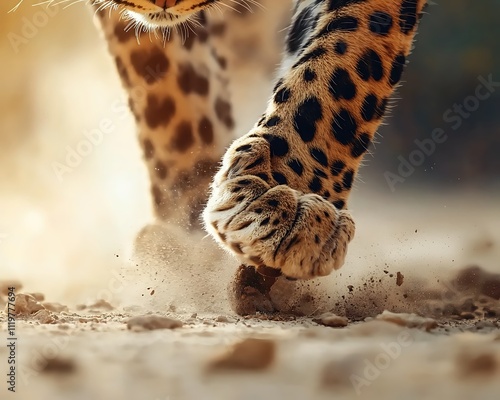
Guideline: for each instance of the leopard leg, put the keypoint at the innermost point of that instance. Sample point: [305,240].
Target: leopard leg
[168,91]
[279,199]
[182,92]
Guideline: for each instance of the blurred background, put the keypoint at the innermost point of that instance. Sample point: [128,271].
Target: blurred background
[58,85]
[456,49]
[70,228]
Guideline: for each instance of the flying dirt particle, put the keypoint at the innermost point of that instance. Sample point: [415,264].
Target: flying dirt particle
[416,230]
[351,288]
[408,320]
[152,322]
[399,278]
[249,354]
[331,320]
[152,292]
[27,304]
[59,365]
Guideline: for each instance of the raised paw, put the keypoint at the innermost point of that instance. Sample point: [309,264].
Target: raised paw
[302,235]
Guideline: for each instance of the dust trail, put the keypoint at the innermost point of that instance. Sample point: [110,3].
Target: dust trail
[402,262]
[408,266]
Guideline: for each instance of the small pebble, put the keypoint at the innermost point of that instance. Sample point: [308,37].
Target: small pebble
[44,316]
[331,320]
[249,354]
[27,304]
[55,307]
[152,322]
[408,320]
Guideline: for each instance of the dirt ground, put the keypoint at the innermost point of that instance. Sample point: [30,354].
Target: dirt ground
[168,334]
[98,353]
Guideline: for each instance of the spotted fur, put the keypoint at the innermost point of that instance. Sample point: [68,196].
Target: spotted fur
[279,198]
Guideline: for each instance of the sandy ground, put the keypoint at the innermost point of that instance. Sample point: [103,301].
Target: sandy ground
[92,355]
[103,360]
[203,350]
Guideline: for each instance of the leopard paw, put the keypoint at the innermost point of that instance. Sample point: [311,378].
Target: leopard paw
[301,235]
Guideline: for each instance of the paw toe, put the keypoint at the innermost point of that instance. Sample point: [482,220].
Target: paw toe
[300,235]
